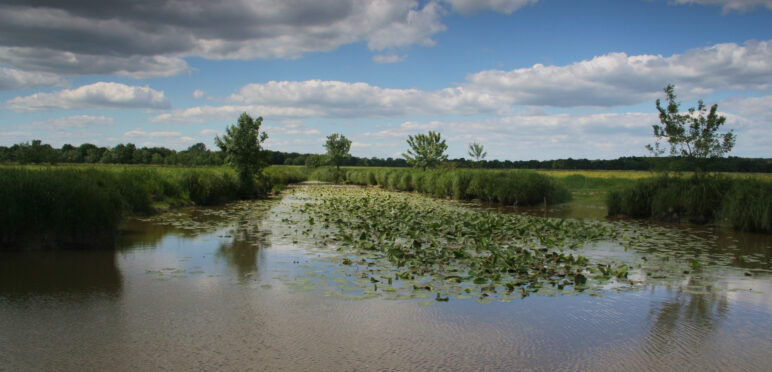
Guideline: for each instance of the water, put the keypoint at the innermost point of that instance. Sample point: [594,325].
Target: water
[233,288]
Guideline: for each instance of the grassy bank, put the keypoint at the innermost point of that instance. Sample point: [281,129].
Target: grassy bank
[506,187]
[744,203]
[83,205]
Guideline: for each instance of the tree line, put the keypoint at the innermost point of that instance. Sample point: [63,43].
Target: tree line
[198,154]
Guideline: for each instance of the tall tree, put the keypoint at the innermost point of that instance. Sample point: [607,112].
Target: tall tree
[693,135]
[426,150]
[337,146]
[241,144]
[477,152]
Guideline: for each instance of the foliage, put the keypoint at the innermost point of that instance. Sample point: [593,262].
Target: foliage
[242,146]
[506,187]
[477,152]
[438,243]
[743,203]
[337,146]
[314,161]
[693,135]
[197,155]
[426,150]
[75,205]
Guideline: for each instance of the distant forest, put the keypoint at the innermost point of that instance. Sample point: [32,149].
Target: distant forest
[36,152]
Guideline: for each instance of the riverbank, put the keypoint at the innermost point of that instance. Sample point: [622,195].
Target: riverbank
[79,206]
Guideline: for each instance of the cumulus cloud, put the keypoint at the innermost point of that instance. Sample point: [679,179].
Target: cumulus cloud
[388,58]
[144,134]
[97,95]
[291,128]
[343,99]
[610,80]
[150,38]
[759,107]
[201,114]
[70,122]
[619,79]
[11,79]
[730,5]
[198,94]
[501,6]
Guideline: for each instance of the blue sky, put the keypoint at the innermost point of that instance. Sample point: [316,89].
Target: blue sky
[529,79]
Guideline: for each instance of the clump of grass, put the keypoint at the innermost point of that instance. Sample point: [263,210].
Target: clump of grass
[743,203]
[65,206]
[748,205]
[76,206]
[506,187]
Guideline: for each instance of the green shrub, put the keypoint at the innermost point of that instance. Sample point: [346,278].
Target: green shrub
[508,187]
[744,203]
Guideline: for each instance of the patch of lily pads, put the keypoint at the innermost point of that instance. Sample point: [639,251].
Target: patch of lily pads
[407,246]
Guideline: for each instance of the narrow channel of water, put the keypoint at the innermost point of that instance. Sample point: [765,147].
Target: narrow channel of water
[234,288]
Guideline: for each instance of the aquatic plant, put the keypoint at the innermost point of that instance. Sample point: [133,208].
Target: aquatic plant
[428,237]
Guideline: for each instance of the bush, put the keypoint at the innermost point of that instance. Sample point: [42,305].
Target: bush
[744,203]
[507,187]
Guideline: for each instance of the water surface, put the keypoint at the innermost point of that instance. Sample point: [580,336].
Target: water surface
[236,288]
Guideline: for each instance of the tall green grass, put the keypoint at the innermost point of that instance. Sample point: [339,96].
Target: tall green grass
[744,203]
[506,187]
[71,206]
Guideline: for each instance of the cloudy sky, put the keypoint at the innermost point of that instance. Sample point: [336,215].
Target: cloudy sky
[529,79]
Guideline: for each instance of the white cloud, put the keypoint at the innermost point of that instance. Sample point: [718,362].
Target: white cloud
[605,81]
[388,58]
[210,132]
[501,6]
[198,94]
[290,128]
[343,99]
[619,79]
[70,122]
[11,79]
[229,113]
[143,134]
[730,5]
[97,95]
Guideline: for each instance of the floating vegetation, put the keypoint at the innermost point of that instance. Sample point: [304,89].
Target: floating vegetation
[356,243]
[393,243]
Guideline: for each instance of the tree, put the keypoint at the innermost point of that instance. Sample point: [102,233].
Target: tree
[199,147]
[337,147]
[693,135]
[314,161]
[426,150]
[241,144]
[477,152]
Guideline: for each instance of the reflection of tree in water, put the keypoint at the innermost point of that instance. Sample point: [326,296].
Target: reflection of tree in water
[77,273]
[685,320]
[242,252]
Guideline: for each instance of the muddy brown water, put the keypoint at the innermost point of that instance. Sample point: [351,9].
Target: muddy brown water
[209,289]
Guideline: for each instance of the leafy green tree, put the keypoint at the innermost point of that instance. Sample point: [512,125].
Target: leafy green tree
[337,146]
[241,144]
[426,150]
[199,147]
[477,152]
[694,135]
[314,161]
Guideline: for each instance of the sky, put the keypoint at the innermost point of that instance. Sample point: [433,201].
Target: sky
[528,79]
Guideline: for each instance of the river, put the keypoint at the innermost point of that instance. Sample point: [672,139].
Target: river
[231,288]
